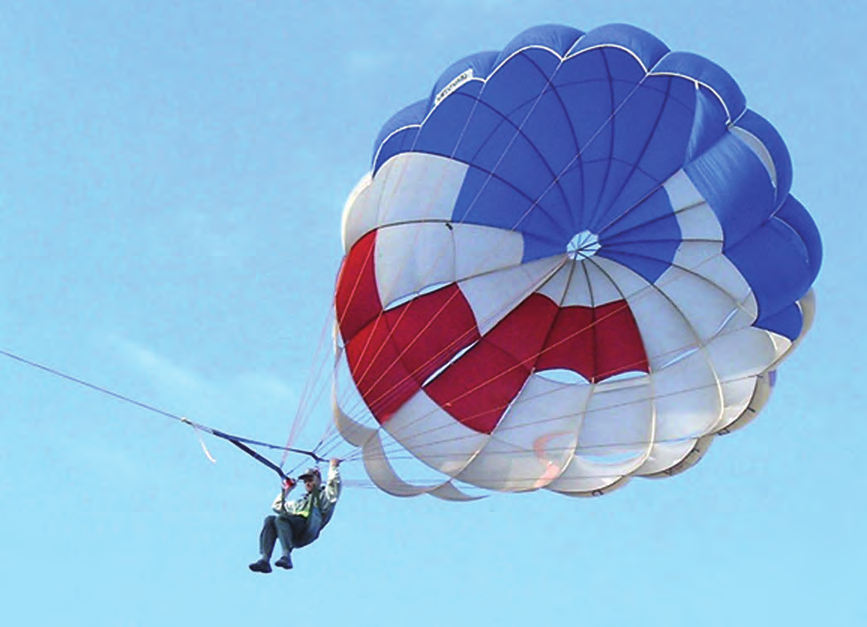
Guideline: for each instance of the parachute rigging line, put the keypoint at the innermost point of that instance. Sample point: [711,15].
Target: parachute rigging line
[240,442]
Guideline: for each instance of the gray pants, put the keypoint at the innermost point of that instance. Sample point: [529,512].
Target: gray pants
[289,529]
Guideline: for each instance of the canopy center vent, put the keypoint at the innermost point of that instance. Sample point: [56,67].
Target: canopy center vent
[583,246]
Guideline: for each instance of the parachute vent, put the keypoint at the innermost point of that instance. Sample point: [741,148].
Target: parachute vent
[583,246]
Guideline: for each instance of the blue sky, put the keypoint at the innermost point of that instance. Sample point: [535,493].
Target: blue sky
[172,176]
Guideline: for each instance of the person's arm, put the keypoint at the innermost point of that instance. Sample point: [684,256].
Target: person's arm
[279,504]
[332,483]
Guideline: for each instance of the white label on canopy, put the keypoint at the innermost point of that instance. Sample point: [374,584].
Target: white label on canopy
[462,78]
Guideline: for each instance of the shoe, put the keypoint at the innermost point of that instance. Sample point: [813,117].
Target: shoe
[262,566]
[284,562]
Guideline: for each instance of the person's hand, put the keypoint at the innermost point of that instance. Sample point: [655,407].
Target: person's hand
[288,484]
[335,462]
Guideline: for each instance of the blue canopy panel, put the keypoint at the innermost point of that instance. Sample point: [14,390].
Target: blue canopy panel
[769,139]
[564,133]
[780,278]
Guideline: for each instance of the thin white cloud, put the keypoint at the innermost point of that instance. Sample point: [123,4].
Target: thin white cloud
[366,61]
[162,373]
[248,400]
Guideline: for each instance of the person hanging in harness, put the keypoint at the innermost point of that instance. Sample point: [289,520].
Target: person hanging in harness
[298,523]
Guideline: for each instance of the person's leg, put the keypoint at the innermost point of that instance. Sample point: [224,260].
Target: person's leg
[267,539]
[268,536]
[289,529]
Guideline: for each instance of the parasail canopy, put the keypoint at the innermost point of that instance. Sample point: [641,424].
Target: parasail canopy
[573,263]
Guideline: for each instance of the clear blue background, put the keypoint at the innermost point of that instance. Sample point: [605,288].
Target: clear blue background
[172,176]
